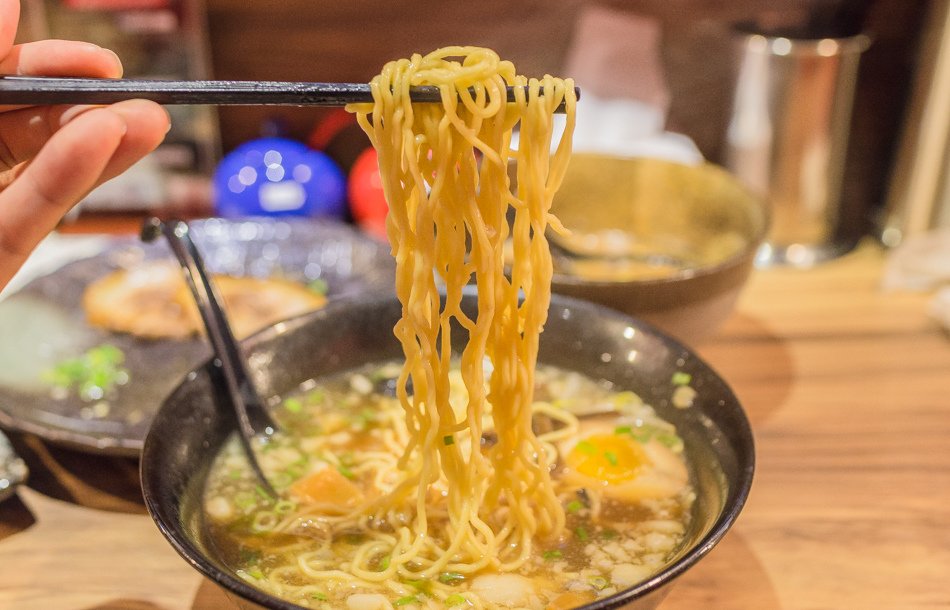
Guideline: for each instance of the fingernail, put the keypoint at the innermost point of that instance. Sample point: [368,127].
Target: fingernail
[118,62]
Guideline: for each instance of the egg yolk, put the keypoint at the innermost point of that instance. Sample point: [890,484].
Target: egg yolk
[611,458]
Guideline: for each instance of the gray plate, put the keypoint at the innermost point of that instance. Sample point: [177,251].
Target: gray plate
[43,323]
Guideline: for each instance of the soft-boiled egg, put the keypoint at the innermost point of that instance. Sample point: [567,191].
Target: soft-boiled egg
[611,460]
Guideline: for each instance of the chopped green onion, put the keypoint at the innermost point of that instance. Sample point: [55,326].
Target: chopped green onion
[643,437]
[454,600]
[681,378]
[255,573]
[552,555]
[93,375]
[294,405]
[611,457]
[318,285]
[293,471]
[598,582]
[451,578]
[586,447]
[582,534]
[284,506]
[244,500]
[448,439]
[320,596]
[422,585]
[346,471]
[670,440]
[260,491]
[623,430]
[409,599]
[384,563]
[574,505]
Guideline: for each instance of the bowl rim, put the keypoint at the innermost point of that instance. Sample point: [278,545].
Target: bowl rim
[748,252]
[732,502]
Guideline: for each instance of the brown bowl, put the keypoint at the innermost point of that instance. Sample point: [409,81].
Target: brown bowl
[669,243]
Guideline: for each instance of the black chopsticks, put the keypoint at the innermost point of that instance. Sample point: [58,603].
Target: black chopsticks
[34,91]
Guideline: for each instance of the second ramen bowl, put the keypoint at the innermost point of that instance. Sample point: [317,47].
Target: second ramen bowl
[189,429]
[670,243]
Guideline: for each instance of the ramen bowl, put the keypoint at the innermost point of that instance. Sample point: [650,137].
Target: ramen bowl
[191,426]
[670,243]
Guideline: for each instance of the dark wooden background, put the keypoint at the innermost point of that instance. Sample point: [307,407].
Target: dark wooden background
[349,41]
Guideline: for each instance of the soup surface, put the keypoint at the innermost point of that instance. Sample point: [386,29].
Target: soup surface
[618,472]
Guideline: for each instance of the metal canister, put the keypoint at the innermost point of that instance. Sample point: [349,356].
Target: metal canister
[788,136]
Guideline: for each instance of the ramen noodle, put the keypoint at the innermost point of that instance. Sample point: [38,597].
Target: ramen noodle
[439,490]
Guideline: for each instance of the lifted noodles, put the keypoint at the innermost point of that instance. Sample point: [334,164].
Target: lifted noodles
[445,175]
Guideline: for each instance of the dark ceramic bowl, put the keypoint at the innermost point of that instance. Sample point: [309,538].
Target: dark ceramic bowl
[189,428]
[626,215]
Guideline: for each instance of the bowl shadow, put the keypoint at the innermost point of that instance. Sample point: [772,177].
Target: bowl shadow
[732,577]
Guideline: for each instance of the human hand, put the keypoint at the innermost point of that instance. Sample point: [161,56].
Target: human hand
[52,156]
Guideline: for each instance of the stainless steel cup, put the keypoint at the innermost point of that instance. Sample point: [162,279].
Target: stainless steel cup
[788,135]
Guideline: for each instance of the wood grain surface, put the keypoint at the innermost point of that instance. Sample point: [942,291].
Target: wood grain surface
[848,390]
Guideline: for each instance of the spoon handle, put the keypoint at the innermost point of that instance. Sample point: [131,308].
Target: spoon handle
[252,416]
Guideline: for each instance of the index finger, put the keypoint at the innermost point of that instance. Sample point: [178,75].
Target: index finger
[9,18]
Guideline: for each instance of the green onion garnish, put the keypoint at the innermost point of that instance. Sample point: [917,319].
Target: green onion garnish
[623,430]
[409,599]
[320,596]
[454,600]
[255,573]
[574,505]
[294,405]
[586,447]
[681,378]
[670,440]
[284,506]
[598,582]
[93,375]
[244,500]
[552,555]
[448,439]
[422,585]
[318,285]
[582,534]
[384,563]
[611,457]
[262,493]
[346,471]
[451,578]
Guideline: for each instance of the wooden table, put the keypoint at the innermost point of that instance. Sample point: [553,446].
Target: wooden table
[848,390]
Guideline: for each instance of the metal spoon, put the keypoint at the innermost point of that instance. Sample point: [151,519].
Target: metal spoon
[254,422]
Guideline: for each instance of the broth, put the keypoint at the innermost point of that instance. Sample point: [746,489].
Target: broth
[618,471]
